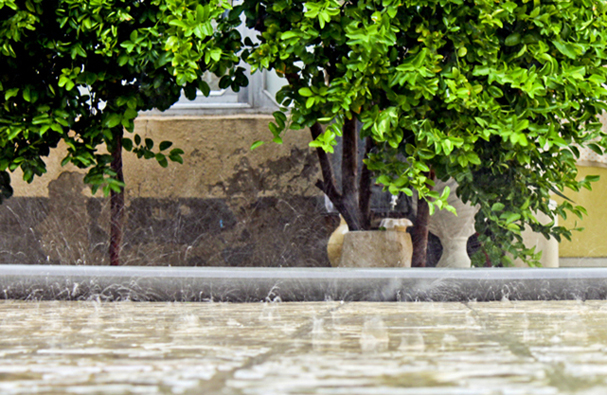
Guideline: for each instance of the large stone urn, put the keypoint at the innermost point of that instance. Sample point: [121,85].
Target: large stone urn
[391,247]
[452,230]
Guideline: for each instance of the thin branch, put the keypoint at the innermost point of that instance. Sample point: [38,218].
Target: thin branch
[328,182]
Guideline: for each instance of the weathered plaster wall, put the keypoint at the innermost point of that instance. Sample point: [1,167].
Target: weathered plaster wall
[218,161]
[591,242]
[226,205]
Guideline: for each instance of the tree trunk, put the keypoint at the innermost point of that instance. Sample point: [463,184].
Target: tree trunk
[349,176]
[365,188]
[420,232]
[354,201]
[116,205]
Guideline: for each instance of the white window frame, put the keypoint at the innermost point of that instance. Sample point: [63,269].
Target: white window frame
[257,97]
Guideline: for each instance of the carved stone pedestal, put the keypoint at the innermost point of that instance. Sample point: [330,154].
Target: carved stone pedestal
[452,230]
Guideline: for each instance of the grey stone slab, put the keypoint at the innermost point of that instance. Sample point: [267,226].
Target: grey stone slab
[45,282]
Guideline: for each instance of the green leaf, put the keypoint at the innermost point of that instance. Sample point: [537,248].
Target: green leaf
[113,120]
[127,144]
[510,217]
[204,88]
[257,144]
[280,116]
[130,114]
[149,143]
[445,193]
[595,147]
[513,39]
[11,93]
[288,34]
[162,160]
[201,13]
[305,92]
[509,6]
[497,207]
[560,194]
[165,145]
[215,54]
[176,158]
[26,94]
[495,91]
[566,49]
[522,125]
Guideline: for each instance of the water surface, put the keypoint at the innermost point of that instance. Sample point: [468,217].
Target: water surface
[303,348]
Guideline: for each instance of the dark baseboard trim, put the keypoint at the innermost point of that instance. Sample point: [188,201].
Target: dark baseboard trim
[189,284]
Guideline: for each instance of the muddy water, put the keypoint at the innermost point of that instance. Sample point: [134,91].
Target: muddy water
[303,348]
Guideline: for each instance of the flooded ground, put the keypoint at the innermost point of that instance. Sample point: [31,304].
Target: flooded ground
[303,348]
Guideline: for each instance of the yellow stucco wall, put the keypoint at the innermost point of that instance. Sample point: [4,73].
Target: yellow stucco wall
[592,241]
[218,161]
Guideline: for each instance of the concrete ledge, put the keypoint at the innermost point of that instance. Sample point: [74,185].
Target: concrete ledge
[189,284]
[583,262]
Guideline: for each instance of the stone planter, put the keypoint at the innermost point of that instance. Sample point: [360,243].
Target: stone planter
[374,248]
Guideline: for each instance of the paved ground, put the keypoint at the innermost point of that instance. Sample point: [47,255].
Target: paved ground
[303,348]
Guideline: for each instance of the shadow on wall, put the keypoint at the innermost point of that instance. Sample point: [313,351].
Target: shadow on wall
[71,228]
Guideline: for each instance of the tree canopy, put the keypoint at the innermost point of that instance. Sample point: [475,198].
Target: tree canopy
[499,95]
[80,71]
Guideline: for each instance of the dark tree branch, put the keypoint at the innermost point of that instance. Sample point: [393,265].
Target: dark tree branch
[349,161]
[328,182]
[420,231]
[420,234]
[116,205]
[349,175]
[365,188]
[347,203]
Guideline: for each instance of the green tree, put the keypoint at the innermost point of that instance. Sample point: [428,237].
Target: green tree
[80,71]
[499,95]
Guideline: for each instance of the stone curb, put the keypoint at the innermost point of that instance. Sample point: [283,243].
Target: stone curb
[197,284]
